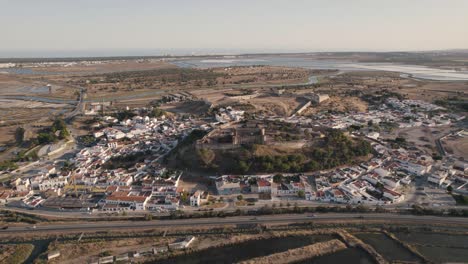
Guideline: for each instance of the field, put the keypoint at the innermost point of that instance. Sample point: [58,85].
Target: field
[15,254]
[430,91]
[422,137]
[339,104]
[74,253]
[456,146]
[107,66]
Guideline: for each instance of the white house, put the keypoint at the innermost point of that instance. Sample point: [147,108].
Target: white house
[393,196]
[53,183]
[262,186]
[22,185]
[198,198]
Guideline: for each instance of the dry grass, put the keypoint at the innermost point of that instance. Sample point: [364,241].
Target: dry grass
[341,104]
[430,91]
[280,106]
[457,146]
[262,75]
[81,252]
[109,66]
[266,150]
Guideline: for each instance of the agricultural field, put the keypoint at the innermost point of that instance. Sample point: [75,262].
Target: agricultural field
[15,254]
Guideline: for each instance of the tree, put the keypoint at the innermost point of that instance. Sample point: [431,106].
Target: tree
[184,197]
[278,178]
[379,185]
[312,166]
[148,217]
[46,138]
[240,197]
[354,127]
[19,135]
[301,194]
[156,112]
[243,167]
[59,125]
[449,188]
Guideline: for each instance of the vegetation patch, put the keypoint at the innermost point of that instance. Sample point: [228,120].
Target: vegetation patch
[19,254]
[334,150]
[460,199]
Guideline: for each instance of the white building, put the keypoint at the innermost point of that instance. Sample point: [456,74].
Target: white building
[198,198]
[262,186]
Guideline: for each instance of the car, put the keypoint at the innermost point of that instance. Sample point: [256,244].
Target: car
[311,215]
[5,227]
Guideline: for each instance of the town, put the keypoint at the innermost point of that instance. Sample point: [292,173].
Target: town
[206,132]
[123,171]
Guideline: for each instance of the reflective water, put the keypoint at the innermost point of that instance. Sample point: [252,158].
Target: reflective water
[415,71]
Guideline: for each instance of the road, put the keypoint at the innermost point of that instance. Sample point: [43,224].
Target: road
[80,105]
[270,219]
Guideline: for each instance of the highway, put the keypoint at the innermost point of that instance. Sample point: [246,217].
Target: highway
[269,219]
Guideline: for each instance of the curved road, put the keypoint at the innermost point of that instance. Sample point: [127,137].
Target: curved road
[270,219]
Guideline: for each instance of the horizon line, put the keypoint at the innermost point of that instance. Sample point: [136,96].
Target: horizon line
[193,53]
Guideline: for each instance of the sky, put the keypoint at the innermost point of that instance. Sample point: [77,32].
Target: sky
[143,27]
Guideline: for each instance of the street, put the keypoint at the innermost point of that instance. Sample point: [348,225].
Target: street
[269,219]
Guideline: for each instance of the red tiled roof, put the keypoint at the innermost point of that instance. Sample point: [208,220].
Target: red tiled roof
[263,183]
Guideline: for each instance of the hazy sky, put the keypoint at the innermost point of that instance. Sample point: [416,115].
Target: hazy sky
[129,27]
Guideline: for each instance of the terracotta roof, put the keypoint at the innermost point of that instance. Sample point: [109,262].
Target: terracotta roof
[263,183]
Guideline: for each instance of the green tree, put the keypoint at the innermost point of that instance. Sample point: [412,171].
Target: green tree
[243,167]
[379,186]
[19,135]
[240,197]
[312,166]
[301,194]
[184,197]
[449,188]
[278,178]
[156,112]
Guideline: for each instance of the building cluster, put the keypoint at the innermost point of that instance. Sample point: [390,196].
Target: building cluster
[122,172]
[288,185]
[177,97]
[377,181]
[226,115]
[99,177]
[403,113]
[129,257]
